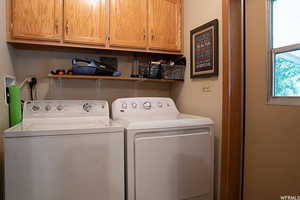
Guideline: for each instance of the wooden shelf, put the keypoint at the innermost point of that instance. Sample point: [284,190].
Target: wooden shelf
[120,78]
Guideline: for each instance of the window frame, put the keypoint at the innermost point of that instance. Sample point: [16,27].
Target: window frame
[271,53]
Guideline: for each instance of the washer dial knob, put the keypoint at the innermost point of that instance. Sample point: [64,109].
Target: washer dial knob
[47,108]
[59,108]
[35,108]
[147,105]
[87,107]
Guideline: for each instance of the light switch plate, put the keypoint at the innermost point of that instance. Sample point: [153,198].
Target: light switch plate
[8,81]
[206,88]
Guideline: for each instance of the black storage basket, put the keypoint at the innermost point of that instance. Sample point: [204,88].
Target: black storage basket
[150,71]
[173,72]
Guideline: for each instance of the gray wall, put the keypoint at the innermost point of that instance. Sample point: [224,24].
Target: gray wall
[272,132]
[6,68]
[39,63]
[190,96]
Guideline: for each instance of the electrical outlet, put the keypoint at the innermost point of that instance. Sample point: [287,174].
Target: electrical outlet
[206,89]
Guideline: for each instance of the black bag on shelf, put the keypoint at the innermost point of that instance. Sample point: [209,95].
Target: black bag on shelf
[173,72]
[102,68]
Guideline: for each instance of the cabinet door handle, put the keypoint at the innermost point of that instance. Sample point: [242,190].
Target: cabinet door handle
[56,27]
[145,36]
[152,35]
[67,27]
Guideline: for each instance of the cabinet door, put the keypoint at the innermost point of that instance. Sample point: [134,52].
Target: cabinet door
[36,19]
[85,21]
[128,23]
[165,24]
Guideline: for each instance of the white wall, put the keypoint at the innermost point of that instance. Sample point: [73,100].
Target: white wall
[189,96]
[5,69]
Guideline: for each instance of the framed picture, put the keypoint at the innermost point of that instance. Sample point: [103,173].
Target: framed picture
[205,50]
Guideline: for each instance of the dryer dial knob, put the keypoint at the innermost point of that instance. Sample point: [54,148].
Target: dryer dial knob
[47,108]
[147,105]
[87,107]
[124,106]
[134,105]
[159,104]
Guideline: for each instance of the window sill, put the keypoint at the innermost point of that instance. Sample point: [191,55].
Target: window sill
[284,101]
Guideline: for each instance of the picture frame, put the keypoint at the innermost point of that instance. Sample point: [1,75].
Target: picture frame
[205,50]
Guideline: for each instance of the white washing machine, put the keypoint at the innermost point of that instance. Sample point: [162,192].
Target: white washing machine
[65,150]
[169,155]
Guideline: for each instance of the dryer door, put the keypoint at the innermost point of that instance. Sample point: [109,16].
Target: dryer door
[174,166]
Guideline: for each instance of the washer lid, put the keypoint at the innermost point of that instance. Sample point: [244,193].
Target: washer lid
[161,122]
[56,117]
[62,127]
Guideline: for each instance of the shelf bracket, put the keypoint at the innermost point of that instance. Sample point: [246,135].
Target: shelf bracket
[60,83]
[136,86]
[98,88]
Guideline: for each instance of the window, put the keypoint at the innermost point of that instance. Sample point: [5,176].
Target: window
[285,52]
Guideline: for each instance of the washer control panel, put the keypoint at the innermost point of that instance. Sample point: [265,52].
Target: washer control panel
[57,108]
[135,106]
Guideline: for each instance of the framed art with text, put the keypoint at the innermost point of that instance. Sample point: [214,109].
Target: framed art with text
[205,50]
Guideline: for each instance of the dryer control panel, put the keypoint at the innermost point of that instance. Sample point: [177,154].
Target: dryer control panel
[134,107]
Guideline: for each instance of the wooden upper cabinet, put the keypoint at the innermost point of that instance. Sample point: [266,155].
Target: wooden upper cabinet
[138,25]
[85,21]
[165,25]
[36,19]
[128,23]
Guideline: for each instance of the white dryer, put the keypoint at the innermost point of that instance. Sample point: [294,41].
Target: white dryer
[65,150]
[169,155]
